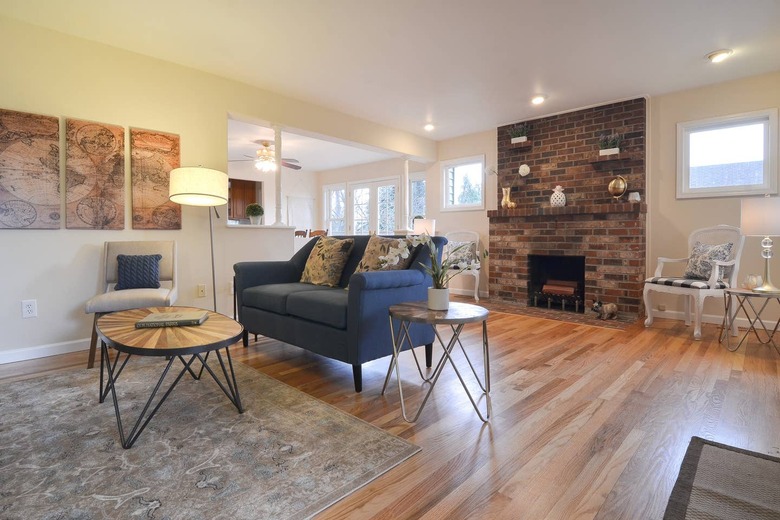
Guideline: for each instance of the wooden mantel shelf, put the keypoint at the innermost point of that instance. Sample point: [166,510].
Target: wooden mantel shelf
[592,209]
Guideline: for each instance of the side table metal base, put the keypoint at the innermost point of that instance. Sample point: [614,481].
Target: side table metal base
[745,303]
[401,336]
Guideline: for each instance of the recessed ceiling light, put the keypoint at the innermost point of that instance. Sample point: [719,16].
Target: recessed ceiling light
[718,56]
[538,99]
[429,127]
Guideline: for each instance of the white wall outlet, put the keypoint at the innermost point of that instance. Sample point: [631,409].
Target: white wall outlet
[29,308]
[201,290]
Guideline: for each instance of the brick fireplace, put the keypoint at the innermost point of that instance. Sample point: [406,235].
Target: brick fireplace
[609,233]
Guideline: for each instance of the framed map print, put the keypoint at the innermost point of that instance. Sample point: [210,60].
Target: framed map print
[152,157]
[29,171]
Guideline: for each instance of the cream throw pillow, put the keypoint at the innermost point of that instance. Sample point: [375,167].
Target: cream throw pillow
[326,261]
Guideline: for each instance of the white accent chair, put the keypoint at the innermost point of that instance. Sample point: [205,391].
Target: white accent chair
[724,275]
[112,301]
[470,254]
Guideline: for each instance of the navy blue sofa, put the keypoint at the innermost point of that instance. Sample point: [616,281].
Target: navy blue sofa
[348,323]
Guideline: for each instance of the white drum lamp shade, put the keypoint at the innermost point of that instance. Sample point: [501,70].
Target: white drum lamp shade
[425,225]
[196,186]
[761,217]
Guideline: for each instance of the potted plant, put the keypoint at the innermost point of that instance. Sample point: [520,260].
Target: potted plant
[254,211]
[439,270]
[609,144]
[519,133]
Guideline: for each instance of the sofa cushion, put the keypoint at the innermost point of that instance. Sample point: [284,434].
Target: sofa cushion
[273,297]
[326,261]
[380,246]
[328,307]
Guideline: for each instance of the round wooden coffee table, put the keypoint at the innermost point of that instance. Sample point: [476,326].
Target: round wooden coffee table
[118,332]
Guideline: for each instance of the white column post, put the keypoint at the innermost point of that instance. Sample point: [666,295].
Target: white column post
[278,159]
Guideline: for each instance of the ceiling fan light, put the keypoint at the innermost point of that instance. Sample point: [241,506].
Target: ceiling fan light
[718,56]
[265,164]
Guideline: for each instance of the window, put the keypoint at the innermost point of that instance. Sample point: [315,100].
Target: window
[335,209]
[463,184]
[729,156]
[373,207]
[416,196]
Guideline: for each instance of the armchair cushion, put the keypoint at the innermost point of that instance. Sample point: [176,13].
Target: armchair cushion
[138,272]
[684,282]
[379,246]
[703,257]
[326,261]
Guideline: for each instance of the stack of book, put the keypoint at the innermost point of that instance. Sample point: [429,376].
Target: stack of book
[172,319]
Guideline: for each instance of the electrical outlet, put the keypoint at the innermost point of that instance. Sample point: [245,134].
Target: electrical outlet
[201,290]
[29,308]
[662,307]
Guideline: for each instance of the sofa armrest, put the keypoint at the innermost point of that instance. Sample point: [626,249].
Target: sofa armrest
[385,279]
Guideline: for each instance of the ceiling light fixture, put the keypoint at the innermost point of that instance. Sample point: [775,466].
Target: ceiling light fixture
[429,127]
[538,99]
[265,162]
[718,56]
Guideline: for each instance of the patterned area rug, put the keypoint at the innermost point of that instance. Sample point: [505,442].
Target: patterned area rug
[288,456]
[717,481]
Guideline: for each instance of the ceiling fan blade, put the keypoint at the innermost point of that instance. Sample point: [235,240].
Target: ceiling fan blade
[290,165]
[290,160]
[240,160]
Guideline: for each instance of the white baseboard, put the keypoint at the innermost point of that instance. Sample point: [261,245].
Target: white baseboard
[41,351]
[468,292]
[742,323]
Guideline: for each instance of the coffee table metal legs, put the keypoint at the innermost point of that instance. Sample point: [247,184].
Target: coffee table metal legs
[402,335]
[114,369]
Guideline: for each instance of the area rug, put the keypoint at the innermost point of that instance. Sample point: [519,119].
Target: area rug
[717,481]
[288,456]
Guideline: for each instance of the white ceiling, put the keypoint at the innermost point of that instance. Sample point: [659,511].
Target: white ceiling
[464,65]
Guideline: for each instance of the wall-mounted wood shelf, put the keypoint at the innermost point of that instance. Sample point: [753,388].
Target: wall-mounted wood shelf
[524,144]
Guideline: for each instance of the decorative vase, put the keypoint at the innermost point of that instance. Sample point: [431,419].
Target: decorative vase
[520,139]
[254,220]
[609,151]
[506,202]
[558,199]
[438,299]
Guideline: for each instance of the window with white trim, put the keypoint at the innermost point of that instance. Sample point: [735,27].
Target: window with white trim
[417,191]
[463,184]
[336,209]
[730,156]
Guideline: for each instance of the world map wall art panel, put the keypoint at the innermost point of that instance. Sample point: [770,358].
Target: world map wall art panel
[94,175]
[29,171]
[152,157]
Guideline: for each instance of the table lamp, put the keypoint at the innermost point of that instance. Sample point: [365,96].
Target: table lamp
[761,217]
[196,186]
[424,225]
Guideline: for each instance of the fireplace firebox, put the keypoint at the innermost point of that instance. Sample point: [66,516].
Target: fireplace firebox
[557,281]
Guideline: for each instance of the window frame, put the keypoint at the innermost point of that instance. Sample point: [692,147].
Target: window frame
[445,183]
[326,190]
[769,185]
[416,177]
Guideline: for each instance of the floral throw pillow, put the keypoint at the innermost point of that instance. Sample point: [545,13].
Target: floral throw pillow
[460,252]
[702,259]
[326,261]
[377,247]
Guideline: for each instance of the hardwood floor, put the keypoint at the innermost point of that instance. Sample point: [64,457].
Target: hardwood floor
[587,422]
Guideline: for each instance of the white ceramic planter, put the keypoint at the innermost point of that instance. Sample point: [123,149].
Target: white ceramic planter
[255,219]
[609,151]
[438,299]
[522,139]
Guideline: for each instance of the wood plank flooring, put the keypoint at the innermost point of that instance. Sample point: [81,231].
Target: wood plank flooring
[588,422]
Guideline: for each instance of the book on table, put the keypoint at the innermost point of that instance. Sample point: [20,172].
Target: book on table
[172,319]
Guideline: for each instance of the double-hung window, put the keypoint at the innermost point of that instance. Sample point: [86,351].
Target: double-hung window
[336,209]
[729,156]
[463,184]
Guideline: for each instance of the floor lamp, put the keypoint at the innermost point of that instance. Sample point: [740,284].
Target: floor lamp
[761,217]
[196,186]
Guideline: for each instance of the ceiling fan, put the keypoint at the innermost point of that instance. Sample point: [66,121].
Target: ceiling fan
[265,159]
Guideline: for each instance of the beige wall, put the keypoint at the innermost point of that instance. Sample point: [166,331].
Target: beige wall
[49,73]
[483,143]
[670,221]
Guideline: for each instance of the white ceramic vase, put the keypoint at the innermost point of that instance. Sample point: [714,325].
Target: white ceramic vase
[438,299]
[558,198]
[521,139]
[255,219]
